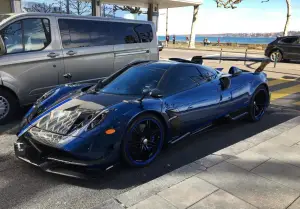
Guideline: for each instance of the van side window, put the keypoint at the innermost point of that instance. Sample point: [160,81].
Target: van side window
[27,35]
[84,33]
[124,33]
[144,32]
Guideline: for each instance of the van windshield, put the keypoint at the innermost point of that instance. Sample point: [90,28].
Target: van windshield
[3,17]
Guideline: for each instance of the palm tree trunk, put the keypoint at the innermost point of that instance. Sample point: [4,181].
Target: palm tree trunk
[193,29]
[289,11]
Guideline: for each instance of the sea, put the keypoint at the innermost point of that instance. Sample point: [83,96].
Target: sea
[225,39]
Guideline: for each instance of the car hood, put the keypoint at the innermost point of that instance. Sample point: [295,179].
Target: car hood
[61,117]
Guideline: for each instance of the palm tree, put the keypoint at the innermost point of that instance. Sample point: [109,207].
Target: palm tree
[194,23]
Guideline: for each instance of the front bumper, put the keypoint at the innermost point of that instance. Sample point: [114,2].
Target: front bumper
[55,161]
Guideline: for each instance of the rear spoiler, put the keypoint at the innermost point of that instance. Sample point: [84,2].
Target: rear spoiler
[199,60]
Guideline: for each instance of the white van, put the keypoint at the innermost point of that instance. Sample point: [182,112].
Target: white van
[40,51]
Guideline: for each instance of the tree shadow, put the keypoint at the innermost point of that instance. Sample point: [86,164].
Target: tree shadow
[25,182]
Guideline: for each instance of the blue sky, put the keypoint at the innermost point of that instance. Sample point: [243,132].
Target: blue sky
[250,16]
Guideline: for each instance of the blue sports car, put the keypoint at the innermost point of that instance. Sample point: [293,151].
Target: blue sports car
[132,114]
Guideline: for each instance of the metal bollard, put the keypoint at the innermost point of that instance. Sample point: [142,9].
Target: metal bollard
[275,61]
[246,53]
[221,55]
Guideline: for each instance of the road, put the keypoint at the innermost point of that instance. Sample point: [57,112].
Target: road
[24,186]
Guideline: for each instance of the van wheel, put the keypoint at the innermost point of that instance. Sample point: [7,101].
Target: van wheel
[8,106]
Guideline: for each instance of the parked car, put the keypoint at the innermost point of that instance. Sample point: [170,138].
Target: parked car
[75,128]
[284,48]
[40,51]
[160,46]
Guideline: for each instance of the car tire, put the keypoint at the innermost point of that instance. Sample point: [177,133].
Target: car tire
[8,106]
[258,104]
[141,141]
[275,53]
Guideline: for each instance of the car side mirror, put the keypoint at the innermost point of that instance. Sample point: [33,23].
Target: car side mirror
[155,93]
[225,82]
[234,71]
[2,46]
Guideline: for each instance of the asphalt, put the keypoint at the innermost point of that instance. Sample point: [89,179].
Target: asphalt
[24,186]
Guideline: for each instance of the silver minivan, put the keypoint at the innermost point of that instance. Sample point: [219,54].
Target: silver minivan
[40,51]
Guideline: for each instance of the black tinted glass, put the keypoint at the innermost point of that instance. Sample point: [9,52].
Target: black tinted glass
[84,33]
[124,33]
[179,79]
[134,80]
[207,73]
[289,40]
[144,32]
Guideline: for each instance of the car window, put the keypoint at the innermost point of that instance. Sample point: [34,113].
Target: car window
[134,80]
[84,33]
[27,35]
[144,31]
[125,33]
[207,73]
[180,78]
[35,34]
[289,40]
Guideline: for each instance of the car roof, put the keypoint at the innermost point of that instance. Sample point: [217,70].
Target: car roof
[168,65]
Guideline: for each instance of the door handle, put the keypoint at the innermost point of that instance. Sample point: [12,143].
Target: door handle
[71,53]
[52,55]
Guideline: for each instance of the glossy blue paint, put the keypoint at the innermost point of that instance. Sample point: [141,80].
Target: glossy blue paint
[183,112]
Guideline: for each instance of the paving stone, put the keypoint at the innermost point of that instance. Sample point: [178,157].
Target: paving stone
[222,200]
[283,153]
[153,202]
[150,188]
[188,192]
[235,149]
[280,172]
[211,160]
[248,160]
[109,204]
[249,187]
[295,205]
[288,138]
[274,131]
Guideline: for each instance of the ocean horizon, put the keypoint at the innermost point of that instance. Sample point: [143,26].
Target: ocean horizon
[224,39]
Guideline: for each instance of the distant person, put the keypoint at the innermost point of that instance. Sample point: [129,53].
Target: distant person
[218,41]
[204,41]
[187,39]
[174,39]
[167,40]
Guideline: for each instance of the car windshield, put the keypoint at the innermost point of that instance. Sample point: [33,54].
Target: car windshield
[134,80]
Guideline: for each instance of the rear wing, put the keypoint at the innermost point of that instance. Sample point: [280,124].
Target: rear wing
[199,60]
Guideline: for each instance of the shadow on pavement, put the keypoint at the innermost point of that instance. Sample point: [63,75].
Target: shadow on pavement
[18,185]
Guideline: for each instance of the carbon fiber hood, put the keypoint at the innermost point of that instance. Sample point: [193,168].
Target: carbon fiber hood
[78,110]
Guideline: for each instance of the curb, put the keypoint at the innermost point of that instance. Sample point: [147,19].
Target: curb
[155,186]
[218,50]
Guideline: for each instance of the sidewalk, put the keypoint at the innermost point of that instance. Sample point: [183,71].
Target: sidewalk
[262,171]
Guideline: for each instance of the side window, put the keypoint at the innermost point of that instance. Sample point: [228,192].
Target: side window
[84,33]
[290,40]
[12,37]
[36,34]
[180,79]
[27,35]
[144,32]
[207,74]
[124,33]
